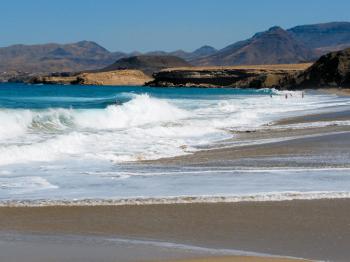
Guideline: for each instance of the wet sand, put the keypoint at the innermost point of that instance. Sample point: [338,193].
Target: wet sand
[317,229]
[337,91]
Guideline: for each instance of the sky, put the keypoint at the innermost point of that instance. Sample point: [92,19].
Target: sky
[147,25]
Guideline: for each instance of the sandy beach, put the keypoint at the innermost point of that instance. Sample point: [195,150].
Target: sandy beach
[243,231]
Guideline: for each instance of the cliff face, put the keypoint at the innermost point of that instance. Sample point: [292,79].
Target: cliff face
[244,76]
[113,78]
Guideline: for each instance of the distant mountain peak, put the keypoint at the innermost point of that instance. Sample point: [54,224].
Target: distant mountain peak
[206,47]
[275,29]
[90,45]
[86,43]
[204,51]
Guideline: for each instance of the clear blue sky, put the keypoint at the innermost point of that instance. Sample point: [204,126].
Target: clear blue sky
[144,25]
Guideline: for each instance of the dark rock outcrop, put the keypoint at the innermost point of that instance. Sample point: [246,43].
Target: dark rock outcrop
[331,70]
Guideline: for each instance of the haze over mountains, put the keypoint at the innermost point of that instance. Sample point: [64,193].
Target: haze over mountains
[276,45]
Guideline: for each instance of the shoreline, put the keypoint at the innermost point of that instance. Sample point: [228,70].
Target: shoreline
[316,229]
[183,199]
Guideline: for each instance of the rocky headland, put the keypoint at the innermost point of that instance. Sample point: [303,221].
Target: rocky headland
[254,76]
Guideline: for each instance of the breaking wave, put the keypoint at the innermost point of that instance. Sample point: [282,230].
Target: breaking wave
[138,127]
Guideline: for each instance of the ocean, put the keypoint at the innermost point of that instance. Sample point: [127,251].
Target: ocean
[87,144]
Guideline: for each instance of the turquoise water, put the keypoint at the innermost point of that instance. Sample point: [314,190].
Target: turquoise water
[89,97]
[85,142]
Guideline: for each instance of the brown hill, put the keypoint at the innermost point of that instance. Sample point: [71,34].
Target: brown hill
[78,56]
[148,64]
[274,46]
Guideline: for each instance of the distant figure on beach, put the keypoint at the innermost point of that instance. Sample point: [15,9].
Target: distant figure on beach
[286,96]
[302,94]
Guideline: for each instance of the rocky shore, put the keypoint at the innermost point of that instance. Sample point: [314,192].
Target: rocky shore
[331,70]
[259,76]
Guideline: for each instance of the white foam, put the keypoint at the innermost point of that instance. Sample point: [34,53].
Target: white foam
[14,123]
[216,171]
[260,197]
[20,185]
[47,150]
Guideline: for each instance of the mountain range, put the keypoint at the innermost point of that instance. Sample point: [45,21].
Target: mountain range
[53,57]
[80,56]
[276,45]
